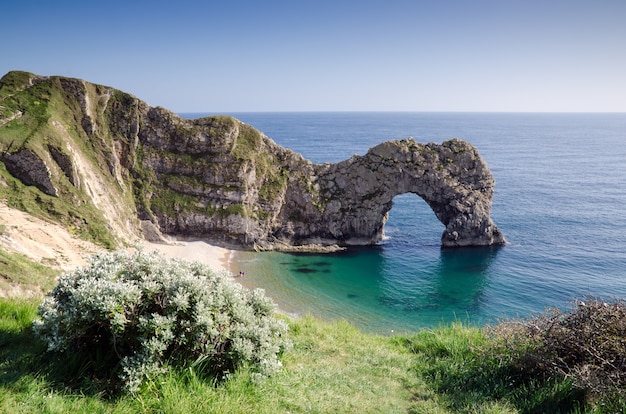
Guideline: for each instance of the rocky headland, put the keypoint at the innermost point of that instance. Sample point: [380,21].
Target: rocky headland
[96,156]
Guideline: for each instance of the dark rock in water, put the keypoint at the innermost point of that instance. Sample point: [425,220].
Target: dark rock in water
[304,270]
[220,179]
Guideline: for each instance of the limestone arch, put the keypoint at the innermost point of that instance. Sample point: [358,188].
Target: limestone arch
[451,178]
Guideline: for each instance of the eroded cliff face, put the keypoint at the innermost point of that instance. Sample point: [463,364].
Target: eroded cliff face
[220,179]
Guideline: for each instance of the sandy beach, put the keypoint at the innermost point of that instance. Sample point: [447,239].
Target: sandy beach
[217,258]
[52,245]
[49,243]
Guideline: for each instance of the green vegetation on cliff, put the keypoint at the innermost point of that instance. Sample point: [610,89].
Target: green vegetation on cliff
[38,114]
[96,160]
[272,176]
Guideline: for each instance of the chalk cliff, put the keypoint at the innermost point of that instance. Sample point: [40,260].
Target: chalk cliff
[144,167]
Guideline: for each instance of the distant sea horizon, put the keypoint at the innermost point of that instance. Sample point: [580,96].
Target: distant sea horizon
[560,200]
[201,114]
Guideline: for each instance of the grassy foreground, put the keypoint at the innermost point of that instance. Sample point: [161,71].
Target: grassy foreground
[332,368]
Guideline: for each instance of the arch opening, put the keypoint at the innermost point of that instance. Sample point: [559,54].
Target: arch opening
[411,221]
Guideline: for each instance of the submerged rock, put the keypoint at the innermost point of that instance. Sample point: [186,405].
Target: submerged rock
[223,180]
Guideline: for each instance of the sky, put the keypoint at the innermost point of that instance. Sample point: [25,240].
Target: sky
[270,55]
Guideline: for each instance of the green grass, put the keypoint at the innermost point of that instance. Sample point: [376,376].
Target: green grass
[457,363]
[333,367]
[17,270]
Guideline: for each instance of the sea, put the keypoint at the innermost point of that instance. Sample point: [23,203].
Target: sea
[560,201]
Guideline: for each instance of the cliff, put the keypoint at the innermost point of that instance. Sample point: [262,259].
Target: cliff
[112,167]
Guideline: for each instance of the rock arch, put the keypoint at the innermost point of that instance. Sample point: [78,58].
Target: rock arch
[352,197]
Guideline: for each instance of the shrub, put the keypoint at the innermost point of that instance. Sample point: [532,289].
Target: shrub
[586,345]
[132,314]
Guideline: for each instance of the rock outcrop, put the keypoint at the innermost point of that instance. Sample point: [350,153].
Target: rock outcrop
[223,180]
[25,165]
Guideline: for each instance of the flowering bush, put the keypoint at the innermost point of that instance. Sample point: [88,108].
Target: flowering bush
[143,311]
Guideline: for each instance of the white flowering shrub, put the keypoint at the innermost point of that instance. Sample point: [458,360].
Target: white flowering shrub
[143,311]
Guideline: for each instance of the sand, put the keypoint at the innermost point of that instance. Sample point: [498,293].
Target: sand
[52,245]
[217,258]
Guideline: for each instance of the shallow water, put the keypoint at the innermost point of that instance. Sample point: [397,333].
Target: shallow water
[560,200]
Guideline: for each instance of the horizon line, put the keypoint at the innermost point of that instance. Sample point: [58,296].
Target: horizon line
[399,111]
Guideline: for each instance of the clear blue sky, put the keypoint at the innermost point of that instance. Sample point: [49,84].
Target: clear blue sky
[267,55]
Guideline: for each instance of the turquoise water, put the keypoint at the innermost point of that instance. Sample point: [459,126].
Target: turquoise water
[560,200]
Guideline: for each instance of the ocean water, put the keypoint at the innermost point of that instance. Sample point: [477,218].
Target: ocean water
[560,200]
